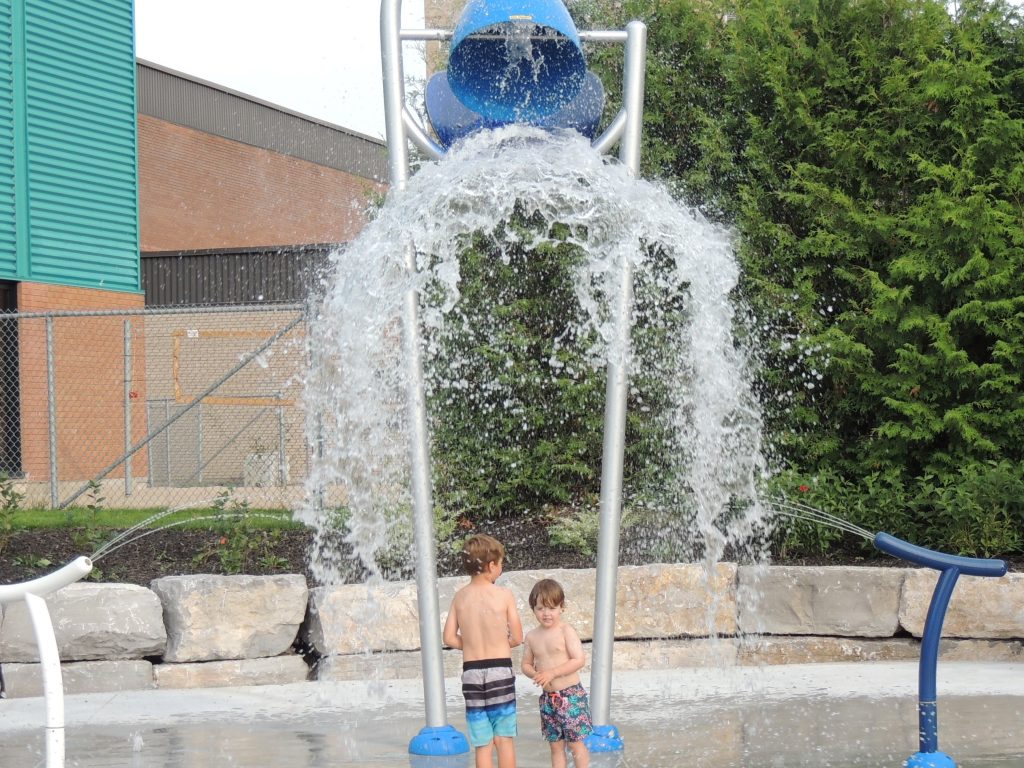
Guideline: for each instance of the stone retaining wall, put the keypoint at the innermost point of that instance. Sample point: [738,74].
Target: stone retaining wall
[210,631]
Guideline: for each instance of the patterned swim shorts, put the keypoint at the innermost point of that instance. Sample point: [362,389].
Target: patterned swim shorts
[489,686]
[565,714]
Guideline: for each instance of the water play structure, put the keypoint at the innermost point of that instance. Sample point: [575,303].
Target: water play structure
[512,62]
[522,62]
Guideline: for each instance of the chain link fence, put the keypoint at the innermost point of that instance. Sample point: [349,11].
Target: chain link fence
[155,408]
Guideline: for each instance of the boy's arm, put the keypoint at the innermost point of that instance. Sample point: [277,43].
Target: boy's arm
[528,668]
[451,635]
[515,626]
[573,647]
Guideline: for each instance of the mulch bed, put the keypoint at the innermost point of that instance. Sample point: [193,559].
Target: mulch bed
[33,553]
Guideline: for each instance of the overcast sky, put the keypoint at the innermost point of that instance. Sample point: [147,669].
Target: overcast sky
[317,57]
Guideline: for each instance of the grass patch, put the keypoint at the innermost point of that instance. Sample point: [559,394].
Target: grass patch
[195,518]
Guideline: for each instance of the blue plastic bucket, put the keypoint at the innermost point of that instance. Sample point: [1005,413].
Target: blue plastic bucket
[452,120]
[515,60]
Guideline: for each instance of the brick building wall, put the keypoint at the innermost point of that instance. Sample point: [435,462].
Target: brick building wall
[200,191]
[89,374]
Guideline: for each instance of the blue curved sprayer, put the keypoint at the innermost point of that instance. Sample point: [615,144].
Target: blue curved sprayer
[950,567]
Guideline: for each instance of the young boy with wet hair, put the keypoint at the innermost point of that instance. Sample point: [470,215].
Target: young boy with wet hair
[553,659]
[484,623]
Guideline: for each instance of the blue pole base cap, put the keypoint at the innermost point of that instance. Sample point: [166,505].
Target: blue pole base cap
[605,738]
[442,740]
[930,760]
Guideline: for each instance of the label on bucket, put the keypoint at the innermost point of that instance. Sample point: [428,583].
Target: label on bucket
[520,17]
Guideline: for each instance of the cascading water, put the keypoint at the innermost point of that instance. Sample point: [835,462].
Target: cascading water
[356,386]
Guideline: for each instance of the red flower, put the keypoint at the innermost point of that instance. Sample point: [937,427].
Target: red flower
[804,488]
[223,540]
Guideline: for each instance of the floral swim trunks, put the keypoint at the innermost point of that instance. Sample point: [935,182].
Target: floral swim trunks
[565,714]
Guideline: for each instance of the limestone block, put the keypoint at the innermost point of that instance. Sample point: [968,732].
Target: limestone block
[90,621]
[278,670]
[651,601]
[675,600]
[830,600]
[980,607]
[356,618]
[756,651]
[211,618]
[981,650]
[395,665]
[24,680]
[672,654]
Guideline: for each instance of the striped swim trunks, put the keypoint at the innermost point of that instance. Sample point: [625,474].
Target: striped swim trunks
[489,686]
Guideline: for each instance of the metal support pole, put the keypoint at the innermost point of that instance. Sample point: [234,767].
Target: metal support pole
[53,682]
[51,407]
[438,737]
[167,440]
[282,456]
[616,392]
[127,405]
[200,461]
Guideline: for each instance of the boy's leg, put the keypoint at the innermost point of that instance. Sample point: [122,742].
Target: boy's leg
[506,751]
[557,754]
[483,756]
[580,754]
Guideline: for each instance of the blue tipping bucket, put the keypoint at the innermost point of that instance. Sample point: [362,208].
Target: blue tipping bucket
[451,120]
[515,60]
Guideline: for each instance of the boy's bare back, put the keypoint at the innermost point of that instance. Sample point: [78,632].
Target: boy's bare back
[483,622]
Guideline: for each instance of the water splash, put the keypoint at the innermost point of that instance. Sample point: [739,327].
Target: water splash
[356,386]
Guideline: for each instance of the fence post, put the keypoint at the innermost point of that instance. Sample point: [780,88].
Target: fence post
[127,405]
[199,442]
[51,407]
[167,440]
[282,457]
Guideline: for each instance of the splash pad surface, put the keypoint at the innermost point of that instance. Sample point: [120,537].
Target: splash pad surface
[839,715]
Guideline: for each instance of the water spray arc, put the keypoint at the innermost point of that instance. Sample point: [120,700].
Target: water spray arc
[512,61]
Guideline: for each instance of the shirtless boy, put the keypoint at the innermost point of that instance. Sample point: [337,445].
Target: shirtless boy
[553,659]
[484,623]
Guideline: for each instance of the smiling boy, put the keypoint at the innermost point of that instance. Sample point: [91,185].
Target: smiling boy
[553,659]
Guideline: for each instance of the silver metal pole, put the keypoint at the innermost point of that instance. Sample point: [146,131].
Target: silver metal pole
[200,461]
[51,407]
[616,392]
[282,456]
[422,507]
[167,439]
[127,405]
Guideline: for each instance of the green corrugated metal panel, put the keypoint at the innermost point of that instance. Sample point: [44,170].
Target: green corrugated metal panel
[8,227]
[80,120]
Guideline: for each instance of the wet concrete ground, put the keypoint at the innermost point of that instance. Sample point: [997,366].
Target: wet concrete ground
[860,715]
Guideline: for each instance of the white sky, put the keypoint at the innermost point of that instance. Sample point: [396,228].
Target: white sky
[317,57]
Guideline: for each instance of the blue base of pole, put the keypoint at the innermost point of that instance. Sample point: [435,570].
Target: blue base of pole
[443,740]
[930,760]
[605,738]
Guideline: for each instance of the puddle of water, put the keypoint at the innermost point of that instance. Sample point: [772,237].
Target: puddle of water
[705,718]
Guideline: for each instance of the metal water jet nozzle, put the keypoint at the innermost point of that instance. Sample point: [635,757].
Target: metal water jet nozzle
[32,593]
[949,567]
[74,571]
